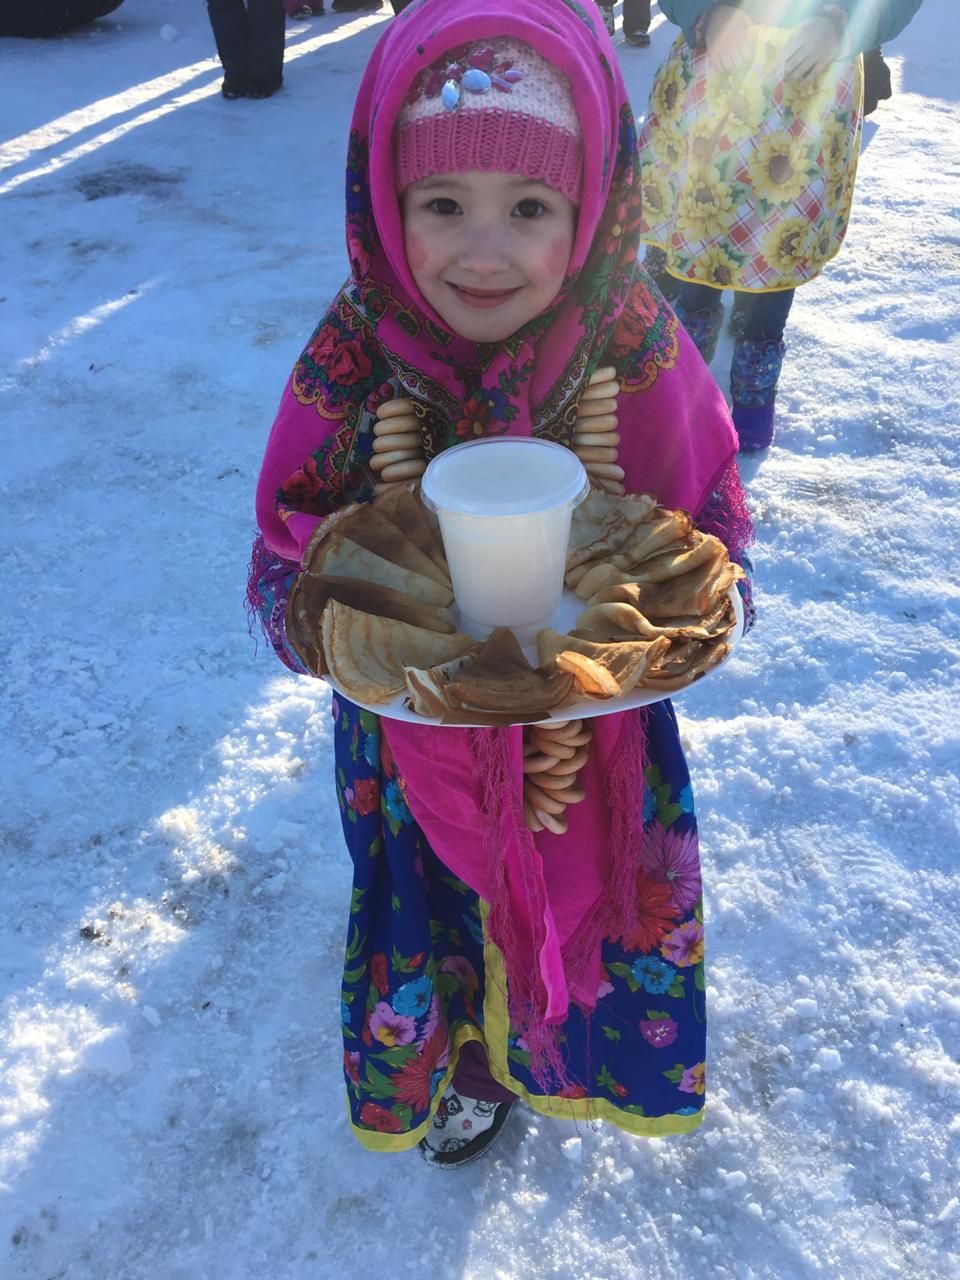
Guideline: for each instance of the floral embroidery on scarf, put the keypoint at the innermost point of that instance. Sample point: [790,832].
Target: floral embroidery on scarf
[334,474]
[645,341]
[337,364]
[585,17]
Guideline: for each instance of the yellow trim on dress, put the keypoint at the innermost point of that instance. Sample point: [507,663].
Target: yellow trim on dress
[496,1024]
[374,1140]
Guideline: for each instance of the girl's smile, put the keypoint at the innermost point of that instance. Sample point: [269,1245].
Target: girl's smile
[488,251]
[482,297]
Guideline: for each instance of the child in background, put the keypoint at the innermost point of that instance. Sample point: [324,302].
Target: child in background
[749,153]
[492,233]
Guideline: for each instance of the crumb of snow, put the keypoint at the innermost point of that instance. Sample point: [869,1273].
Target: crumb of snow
[108,1055]
[806,1007]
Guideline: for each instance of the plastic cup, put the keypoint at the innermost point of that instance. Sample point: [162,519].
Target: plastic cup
[504,507]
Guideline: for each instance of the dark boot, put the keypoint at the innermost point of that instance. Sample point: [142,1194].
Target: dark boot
[754,374]
[702,325]
[636,22]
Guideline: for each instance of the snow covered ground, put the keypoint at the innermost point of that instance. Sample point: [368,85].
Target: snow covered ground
[174,890]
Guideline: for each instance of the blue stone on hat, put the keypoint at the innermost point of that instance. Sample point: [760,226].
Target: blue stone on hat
[450,95]
[476,81]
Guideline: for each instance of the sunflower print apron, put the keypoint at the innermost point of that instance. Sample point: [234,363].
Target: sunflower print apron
[747,179]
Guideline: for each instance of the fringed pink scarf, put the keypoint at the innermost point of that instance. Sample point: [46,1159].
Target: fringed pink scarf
[552,899]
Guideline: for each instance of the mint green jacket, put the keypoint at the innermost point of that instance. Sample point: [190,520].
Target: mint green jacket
[869,22]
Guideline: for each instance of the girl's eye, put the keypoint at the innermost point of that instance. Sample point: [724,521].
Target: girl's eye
[444,206]
[530,208]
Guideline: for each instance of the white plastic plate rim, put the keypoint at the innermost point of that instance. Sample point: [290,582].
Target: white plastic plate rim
[583,709]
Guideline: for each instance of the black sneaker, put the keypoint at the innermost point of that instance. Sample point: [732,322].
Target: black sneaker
[639,39]
[232,88]
[263,88]
[463,1130]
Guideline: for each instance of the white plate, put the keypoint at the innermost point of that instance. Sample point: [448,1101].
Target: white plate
[563,620]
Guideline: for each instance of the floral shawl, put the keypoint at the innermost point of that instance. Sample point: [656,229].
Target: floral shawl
[551,899]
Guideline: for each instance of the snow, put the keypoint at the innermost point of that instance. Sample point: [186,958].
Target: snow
[173,883]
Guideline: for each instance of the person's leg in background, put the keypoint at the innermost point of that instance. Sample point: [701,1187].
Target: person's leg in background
[266,29]
[609,21]
[876,80]
[655,262]
[757,360]
[700,311]
[228,18]
[636,22]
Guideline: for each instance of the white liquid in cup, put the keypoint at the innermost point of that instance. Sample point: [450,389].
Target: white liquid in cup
[504,507]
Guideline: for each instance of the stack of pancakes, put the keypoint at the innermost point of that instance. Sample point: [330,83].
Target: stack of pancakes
[373,610]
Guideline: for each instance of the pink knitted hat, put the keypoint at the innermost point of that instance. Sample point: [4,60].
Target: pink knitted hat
[496,106]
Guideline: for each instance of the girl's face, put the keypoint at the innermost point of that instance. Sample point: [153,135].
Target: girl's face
[488,251]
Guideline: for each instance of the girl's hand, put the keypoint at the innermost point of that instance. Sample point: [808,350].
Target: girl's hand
[728,37]
[811,49]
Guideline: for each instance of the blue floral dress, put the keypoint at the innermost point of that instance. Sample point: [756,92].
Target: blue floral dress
[421,977]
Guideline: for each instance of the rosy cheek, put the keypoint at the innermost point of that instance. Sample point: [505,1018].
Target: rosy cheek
[558,256]
[417,252]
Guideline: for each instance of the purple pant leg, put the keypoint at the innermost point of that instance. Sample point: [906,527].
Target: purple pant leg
[472,1078]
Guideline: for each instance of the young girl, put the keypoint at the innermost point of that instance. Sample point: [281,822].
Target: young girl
[492,216]
[749,154]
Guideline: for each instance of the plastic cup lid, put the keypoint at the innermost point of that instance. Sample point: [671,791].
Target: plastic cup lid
[504,476]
